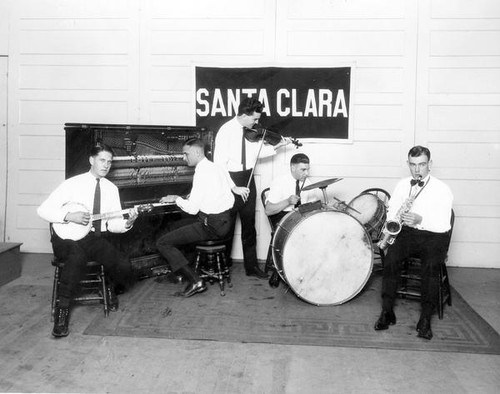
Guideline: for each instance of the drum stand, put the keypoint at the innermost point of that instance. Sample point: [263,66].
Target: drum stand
[325,197]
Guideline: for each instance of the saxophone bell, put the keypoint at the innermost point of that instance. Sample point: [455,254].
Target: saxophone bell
[393,227]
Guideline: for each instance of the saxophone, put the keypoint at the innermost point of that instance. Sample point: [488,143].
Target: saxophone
[393,227]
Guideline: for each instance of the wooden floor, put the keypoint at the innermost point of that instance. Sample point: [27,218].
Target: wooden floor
[32,361]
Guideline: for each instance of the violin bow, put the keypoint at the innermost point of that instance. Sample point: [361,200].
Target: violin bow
[257,158]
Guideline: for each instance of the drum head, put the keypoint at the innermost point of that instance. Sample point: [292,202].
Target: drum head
[327,258]
[367,206]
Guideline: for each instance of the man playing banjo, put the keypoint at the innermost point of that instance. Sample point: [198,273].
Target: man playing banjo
[70,206]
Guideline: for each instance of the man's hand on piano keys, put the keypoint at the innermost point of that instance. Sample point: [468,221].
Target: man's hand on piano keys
[169,199]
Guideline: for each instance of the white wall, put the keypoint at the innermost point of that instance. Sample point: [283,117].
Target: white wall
[458,117]
[425,71]
[3,144]
[4,34]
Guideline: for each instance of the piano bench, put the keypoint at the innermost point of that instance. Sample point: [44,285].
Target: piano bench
[211,263]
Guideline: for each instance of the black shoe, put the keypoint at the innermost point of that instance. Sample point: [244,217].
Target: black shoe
[424,327]
[61,323]
[386,318]
[192,289]
[274,280]
[257,272]
[112,299]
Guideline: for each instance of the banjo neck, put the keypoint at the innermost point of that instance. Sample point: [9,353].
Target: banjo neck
[76,231]
[140,209]
[107,215]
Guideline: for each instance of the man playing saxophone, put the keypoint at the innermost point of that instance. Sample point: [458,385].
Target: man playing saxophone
[418,222]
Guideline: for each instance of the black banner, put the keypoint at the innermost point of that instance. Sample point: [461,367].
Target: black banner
[298,102]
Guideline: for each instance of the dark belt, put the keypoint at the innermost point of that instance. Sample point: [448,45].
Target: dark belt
[422,232]
[204,216]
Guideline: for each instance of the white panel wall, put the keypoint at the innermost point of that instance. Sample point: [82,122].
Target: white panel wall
[458,117]
[424,71]
[4,27]
[69,62]
[3,145]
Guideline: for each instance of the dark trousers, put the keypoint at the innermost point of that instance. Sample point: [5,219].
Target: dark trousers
[76,254]
[204,227]
[431,248]
[246,211]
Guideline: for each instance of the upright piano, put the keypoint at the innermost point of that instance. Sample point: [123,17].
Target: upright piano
[147,165]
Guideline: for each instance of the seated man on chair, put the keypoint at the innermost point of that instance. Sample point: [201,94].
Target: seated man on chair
[285,192]
[90,189]
[422,206]
[211,201]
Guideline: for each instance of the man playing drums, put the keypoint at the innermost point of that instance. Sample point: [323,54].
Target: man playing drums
[286,192]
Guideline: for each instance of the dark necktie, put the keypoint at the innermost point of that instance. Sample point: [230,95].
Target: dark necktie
[414,182]
[297,192]
[97,207]
[243,152]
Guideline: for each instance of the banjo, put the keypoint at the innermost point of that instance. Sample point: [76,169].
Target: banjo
[77,231]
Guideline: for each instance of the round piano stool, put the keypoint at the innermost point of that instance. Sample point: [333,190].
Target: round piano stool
[211,264]
[93,286]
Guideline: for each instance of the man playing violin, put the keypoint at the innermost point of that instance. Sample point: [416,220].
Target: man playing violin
[90,189]
[238,156]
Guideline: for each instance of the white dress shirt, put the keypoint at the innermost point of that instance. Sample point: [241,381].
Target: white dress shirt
[433,203]
[228,148]
[211,192]
[80,189]
[284,186]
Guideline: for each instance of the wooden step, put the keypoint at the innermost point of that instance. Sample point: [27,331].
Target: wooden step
[10,261]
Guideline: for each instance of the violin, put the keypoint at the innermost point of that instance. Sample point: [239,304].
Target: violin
[271,137]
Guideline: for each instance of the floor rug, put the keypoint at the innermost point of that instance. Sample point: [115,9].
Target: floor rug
[252,311]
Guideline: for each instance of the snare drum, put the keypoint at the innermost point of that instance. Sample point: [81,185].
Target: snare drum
[372,212]
[325,256]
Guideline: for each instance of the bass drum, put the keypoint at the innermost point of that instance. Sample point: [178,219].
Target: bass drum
[325,256]
[372,212]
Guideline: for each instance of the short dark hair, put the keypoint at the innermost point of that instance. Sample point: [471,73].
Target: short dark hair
[100,147]
[299,158]
[419,150]
[197,142]
[250,105]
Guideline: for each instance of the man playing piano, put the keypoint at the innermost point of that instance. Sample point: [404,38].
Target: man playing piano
[210,200]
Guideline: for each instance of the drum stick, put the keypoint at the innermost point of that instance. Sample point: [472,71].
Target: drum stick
[346,205]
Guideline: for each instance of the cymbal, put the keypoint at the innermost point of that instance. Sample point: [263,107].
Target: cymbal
[321,184]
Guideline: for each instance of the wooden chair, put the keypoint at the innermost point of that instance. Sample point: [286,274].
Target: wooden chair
[93,287]
[411,278]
